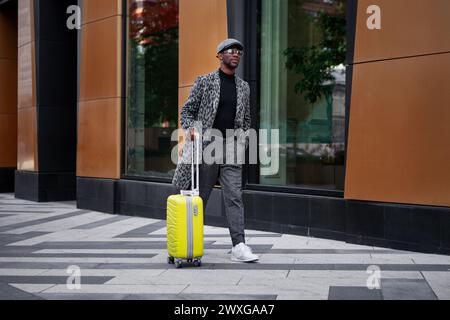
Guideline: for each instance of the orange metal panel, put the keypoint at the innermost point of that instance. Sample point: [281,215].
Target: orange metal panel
[203,25]
[399,131]
[8,138]
[26,76]
[27,150]
[8,35]
[99,128]
[100,69]
[8,87]
[27,141]
[94,10]
[408,27]
[99,139]
[25,22]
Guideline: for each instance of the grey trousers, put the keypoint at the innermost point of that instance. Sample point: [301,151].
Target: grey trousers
[230,178]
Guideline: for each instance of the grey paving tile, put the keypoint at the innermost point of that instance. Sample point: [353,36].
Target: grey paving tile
[50,207]
[331,251]
[32,205]
[6,239]
[186,297]
[270,274]
[225,297]
[440,283]
[134,245]
[256,248]
[43,220]
[68,203]
[110,289]
[100,223]
[42,265]
[29,211]
[248,235]
[132,266]
[41,205]
[228,236]
[8,292]
[106,245]
[52,279]
[406,289]
[354,293]
[394,267]
[143,231]
[75,296]
[206,265]
[360,267]
[88,255]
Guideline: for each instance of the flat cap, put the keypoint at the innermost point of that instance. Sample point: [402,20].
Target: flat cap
[229,43]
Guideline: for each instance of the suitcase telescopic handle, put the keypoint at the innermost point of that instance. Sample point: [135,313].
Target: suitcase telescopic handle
[196,181]
[195,176]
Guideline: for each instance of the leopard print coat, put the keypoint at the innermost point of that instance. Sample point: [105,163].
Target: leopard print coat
[201,107]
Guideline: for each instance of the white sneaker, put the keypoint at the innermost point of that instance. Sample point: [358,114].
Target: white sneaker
[243,253]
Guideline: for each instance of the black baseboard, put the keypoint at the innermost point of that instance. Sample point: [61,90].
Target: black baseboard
[397,226]
[7,180]
[45,187]
[96,194]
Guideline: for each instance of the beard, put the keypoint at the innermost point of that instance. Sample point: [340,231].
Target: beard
[231,65]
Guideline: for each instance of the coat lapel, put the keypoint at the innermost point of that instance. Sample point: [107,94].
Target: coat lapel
[216,88]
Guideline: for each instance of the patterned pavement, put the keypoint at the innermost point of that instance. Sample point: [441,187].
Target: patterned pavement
[120,257]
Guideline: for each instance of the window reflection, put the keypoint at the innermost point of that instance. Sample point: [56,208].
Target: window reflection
[152,106]
[303,48]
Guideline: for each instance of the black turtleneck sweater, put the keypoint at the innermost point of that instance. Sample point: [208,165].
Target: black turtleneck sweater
[226,112]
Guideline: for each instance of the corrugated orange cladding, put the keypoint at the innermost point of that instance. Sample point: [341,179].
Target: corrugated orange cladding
[400,108]
[99,115]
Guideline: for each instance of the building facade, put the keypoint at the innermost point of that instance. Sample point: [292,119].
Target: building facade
[358,90]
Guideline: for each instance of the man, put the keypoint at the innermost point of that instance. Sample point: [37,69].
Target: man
[220,101]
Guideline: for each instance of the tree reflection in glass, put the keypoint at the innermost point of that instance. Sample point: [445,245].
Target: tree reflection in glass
[152,106]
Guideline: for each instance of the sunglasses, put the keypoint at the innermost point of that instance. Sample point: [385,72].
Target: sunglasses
[234,51]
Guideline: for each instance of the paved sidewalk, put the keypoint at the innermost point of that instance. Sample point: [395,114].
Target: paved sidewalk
[125,258]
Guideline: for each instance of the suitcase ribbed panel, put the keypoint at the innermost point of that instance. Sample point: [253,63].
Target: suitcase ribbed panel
[177,227]
[197,225]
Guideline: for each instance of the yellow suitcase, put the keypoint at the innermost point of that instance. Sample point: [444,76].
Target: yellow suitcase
[185,224]
[185,229]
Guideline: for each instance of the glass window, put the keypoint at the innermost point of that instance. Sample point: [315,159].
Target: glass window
[303,48]
[152,98]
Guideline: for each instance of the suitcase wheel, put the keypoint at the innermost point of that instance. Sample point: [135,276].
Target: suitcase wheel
[170,260]
[198,263]
[178,264]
